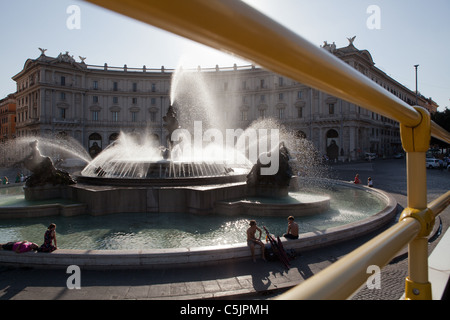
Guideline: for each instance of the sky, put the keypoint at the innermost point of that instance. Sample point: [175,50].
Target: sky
[398,33]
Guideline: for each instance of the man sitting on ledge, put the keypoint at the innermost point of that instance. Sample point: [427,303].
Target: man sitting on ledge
[292,230]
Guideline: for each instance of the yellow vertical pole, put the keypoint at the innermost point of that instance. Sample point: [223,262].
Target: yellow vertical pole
[416,143]
[417,285]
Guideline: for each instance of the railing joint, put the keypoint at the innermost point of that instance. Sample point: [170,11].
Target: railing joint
[417,139]
[424,217]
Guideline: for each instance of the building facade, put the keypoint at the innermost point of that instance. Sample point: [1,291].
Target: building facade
[7,118]
[93,104]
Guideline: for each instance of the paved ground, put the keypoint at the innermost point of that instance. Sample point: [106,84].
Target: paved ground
[242,280]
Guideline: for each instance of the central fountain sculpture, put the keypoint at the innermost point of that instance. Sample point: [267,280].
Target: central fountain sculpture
[171,124]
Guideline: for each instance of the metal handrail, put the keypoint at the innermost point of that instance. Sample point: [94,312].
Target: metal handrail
[236,27]
[438,205]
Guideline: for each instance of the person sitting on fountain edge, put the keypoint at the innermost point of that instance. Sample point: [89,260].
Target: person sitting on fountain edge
[292,229]
[19,246]
[49,239]
[251,239]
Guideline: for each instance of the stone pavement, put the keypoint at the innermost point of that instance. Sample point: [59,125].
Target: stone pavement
[239,280]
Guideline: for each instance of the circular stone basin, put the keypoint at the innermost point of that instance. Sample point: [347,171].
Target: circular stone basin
[126,231]
[131,240]
[236,175]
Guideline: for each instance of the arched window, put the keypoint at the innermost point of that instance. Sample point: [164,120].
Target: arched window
[95,144]
[300,134]
[113,137]
[332,144]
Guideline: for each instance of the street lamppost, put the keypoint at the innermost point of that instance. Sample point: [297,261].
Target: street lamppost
[415,66]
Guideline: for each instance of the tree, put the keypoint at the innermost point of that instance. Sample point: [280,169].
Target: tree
[443,120]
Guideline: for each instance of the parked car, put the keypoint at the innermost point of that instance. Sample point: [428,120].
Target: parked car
[369,156]
[432,163]
[399,156]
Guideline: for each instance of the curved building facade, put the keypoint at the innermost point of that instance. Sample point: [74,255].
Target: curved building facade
[61,97]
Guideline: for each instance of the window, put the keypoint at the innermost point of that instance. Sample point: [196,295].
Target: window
[115,116]
[134,86]
[95,144]
[62,113]
[280,81]
[153,101]
[134,100]
[280,97]
[94,115]
[299,94]
[244,115]
[225,86]
[134,116]
[263,98]
[62,96]
[331,108]
[95,99]
[262,113]
[281,113]
[115,86]
[299,112]
[153,116]
[63,80]
[262,83]
[115,100]
[153,87]
[95,85]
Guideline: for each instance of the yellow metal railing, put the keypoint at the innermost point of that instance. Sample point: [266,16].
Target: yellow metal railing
[235,27]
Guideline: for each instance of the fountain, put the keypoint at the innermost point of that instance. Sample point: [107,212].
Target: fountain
[249,175]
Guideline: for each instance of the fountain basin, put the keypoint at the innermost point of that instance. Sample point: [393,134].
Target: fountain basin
[156,169]
[196,199]
[199,195]
[197,256]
